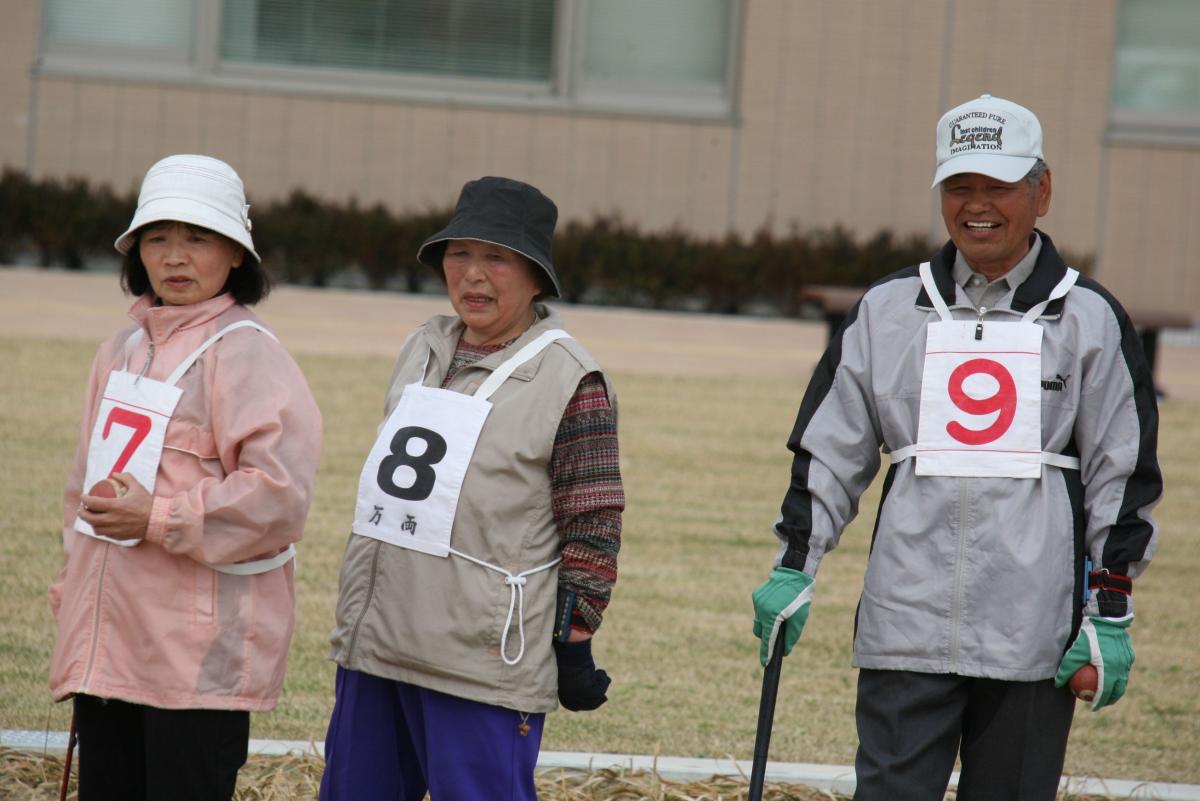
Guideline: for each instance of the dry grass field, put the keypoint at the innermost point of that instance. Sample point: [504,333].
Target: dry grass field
[706,405]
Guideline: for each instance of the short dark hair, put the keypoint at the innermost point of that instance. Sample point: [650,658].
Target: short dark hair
[248,284]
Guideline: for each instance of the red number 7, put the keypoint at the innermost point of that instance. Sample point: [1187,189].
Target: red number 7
[140,424]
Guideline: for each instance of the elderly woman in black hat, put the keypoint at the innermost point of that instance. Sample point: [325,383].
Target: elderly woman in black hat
[486,528]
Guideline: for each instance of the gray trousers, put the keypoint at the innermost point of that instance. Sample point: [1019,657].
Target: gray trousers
[1010,735]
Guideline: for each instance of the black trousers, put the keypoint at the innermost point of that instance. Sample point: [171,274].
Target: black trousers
[1010,735]
[140,753]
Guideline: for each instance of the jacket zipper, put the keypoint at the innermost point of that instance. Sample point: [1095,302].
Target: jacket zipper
[91,661]
[366,604]
[146,366]
[979,323]
[956,616]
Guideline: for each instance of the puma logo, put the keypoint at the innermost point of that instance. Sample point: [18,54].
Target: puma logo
[1056,384]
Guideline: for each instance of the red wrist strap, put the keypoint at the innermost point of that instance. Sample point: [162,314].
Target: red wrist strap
[1103,580]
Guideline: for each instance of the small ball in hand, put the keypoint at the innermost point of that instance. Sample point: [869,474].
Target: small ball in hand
[1084,682]
[108,488]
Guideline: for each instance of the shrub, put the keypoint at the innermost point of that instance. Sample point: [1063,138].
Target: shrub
[608,260]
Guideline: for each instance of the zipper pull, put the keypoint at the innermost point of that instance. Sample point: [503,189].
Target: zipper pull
[979,323]
[150,358]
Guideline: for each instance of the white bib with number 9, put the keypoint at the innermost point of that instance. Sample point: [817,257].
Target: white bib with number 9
[981,401]
[981,393]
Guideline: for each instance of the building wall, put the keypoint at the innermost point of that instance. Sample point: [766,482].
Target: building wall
[407,156]
[18,43]
[1150,239]
[834,125]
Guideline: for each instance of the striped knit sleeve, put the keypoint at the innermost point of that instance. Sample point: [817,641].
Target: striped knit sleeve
[587,500]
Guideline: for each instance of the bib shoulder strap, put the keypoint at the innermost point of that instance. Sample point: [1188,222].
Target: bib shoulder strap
[130,346]
[1060,289]
[935,297]
[190,360]
[501,373]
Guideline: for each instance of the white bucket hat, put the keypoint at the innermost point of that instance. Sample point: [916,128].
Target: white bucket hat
[990,136]
[197,190]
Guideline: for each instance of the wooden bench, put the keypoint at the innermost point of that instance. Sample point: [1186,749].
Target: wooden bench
[835,302]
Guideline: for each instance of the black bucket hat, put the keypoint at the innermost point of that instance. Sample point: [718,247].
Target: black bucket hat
[503,212]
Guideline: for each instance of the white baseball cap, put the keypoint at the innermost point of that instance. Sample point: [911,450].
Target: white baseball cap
[990,136]
[198,190]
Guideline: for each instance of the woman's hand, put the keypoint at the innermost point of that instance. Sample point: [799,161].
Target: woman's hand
[122,518]
[581,685]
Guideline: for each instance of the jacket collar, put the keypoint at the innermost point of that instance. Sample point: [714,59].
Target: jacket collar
[1047,272]
[160,322]
[444,330]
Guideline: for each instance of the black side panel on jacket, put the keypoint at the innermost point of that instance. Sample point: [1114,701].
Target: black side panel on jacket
[1130,534]
[796,512]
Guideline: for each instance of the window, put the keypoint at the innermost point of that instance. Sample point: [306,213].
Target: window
[507,39]
[1156,81]
[642,56]
[656,50]
[131,32]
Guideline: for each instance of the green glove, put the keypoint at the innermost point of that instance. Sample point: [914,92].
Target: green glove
[786,595]
[1103,642]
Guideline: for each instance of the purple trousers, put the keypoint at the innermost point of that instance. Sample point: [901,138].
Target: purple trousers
[392,741]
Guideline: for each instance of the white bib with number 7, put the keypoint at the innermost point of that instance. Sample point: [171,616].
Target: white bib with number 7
[131,423]
[981,405]
[409,487]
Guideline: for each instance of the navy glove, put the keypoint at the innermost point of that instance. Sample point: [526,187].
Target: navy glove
[581,684]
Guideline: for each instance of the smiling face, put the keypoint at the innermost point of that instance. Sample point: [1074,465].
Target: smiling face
[491,288]
[187,264]
[990,221]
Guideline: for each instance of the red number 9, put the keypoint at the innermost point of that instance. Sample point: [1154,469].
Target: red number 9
[1004,402]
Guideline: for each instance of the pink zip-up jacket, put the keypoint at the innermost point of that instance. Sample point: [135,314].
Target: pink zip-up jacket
[153,624]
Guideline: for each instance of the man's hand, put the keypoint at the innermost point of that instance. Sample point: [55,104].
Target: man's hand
[581,684]
[785,596]
[122,518]
[1103,642]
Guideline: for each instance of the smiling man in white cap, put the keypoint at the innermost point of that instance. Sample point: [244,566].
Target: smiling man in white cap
[1013,400]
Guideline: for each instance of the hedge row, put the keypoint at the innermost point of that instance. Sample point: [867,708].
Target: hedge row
[305,240]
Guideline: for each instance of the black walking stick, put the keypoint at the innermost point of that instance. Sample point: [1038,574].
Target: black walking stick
[766,716]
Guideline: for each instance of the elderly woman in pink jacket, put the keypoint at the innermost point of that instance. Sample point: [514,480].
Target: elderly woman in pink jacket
[192,479]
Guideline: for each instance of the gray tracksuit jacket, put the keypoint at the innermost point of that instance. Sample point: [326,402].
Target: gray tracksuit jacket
[978,576]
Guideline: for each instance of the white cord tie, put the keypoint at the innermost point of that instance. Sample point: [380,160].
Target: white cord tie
[516,601]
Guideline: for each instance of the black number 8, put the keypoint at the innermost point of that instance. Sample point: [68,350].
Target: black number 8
[435,450]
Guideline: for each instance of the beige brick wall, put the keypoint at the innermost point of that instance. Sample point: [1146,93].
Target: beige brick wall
[1150,240]
[835,121]
[840,102]
[19,26]
[839,108]
[836,113]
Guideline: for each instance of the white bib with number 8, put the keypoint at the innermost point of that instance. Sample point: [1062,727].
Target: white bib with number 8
[409,486]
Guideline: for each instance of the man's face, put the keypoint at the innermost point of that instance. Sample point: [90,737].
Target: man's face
[990,220]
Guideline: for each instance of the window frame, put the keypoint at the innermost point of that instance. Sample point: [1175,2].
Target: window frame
[564,91]
[1140,125]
